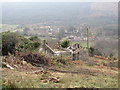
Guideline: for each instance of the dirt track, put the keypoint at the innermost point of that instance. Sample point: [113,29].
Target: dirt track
[80,71]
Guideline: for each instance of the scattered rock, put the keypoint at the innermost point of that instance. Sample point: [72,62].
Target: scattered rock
[24,62]
[15,66]
[44,81]
[54,79]
[50,79]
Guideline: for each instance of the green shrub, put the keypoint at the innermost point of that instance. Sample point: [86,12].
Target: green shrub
[9,42]
[36,44]
[34,38]
[93,51]
[65,44]
[26,44]
[111,55]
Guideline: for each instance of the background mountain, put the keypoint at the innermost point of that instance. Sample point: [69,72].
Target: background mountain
[92,14]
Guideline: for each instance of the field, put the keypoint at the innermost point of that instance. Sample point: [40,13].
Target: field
[83,43]
[75,74]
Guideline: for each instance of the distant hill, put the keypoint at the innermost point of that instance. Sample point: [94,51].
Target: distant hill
[96,14]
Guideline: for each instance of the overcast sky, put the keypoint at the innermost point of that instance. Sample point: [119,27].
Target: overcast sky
[59,0]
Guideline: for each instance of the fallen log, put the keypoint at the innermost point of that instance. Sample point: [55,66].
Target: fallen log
[6,65]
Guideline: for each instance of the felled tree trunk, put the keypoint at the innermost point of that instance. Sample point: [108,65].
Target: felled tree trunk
[6,65]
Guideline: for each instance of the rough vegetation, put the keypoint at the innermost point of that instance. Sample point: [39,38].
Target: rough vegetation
[36,59]
[24,67]
[12,42]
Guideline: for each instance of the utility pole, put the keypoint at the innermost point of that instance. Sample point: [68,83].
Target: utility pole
[87,38]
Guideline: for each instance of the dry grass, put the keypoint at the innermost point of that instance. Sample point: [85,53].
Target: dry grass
[88,76]
[67,80]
